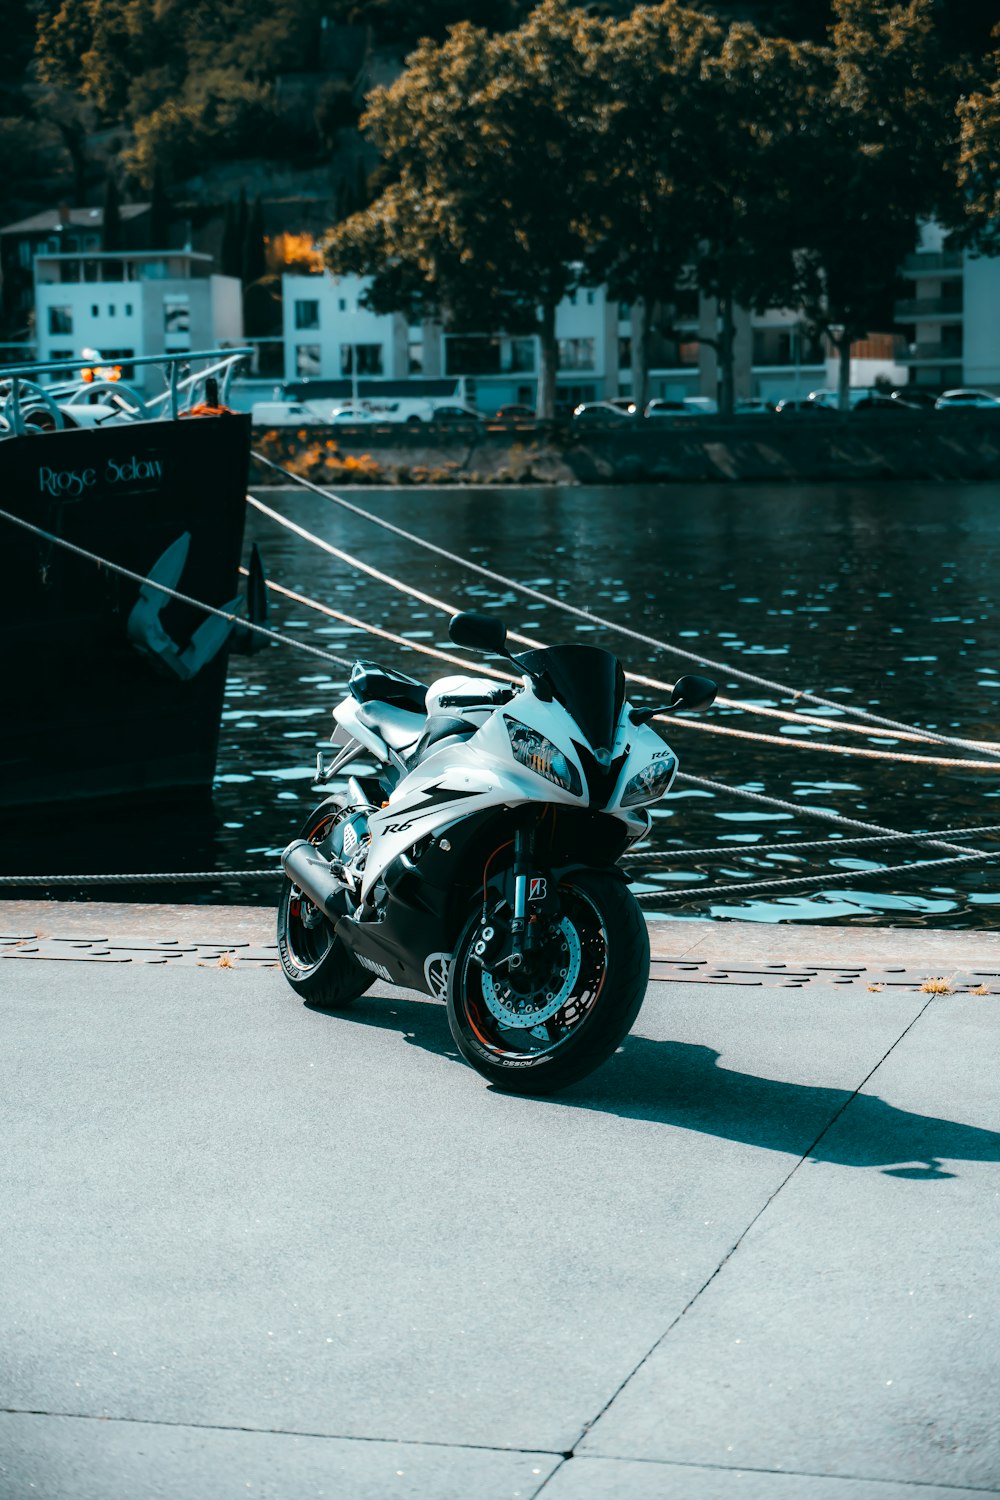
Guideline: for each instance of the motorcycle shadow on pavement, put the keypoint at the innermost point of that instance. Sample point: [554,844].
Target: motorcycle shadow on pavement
[682,1084]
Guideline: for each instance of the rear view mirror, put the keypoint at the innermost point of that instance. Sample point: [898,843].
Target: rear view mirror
[479,632]
[693,693]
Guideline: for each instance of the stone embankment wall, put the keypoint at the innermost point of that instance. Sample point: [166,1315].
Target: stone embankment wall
[862,446]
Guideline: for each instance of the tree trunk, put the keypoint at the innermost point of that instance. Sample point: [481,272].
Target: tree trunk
[725,353]
[640,353]
[545,406]
[843,347]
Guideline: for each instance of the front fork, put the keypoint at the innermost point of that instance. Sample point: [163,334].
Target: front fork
[533,896]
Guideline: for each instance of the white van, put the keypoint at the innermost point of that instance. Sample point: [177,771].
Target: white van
[285,414]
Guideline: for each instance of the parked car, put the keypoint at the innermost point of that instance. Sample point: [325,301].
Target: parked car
[795,405]
[624,403]
[514,412]
[916,400]
[753,405]
[686,406]
[354,414]
[966,400]
[600,414]
[456,413]
[285,414]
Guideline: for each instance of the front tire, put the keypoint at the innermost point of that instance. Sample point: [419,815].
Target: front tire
[315,962]
[582,1005]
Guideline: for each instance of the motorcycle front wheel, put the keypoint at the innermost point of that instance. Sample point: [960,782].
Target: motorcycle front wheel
[313,959]
[538,1034]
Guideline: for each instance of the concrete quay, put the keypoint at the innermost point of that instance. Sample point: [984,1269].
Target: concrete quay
[254,1249]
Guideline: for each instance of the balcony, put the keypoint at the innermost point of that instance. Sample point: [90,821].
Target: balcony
[928,307]
[932,263]
[940,354]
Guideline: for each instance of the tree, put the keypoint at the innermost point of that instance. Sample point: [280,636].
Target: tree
[487,139]
[254,259]
[884,142]
[159,213]
[111,238]
[978,167]
[641,229]
[745,173]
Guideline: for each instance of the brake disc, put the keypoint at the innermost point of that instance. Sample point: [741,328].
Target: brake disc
[524,1012]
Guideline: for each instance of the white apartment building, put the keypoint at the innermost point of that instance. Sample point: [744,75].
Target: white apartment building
[952,315]
[329,336]
[126,304]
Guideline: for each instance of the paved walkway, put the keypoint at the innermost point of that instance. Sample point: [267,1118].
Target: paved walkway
[251,1249]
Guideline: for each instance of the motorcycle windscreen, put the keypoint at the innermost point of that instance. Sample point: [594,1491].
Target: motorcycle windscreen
[588,682]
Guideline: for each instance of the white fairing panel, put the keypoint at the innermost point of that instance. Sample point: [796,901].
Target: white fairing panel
[460,778]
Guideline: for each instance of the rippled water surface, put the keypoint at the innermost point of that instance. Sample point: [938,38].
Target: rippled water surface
[880,595]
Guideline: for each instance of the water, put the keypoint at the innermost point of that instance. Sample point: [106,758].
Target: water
[882,595]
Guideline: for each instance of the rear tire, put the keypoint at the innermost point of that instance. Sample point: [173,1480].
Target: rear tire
[600,970]
[315,962]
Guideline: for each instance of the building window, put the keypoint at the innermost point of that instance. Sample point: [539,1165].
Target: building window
[176,315]
[111,310]
[590,298]
[367,358]
[94,310]
[307,359]
[624,312]
[60,320]
[522,355]
[128,309]
[25,254]
[60,354]
[307,314]
[624,354]
[415,356]
[471,354]
[576,354]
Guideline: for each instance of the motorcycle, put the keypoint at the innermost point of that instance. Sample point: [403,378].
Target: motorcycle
[478,861]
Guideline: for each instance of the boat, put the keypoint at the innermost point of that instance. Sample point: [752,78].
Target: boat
[114,689]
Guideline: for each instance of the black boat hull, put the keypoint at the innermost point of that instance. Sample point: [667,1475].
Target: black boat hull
[86,714]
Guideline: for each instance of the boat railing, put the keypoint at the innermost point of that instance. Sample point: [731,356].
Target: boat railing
[23,395]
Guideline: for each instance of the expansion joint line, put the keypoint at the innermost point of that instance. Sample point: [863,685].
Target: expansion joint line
[800,694]
[810,1151]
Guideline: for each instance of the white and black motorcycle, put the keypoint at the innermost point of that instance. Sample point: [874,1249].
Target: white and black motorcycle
[478,863]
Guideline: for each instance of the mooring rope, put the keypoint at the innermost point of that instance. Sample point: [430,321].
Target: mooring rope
[740,887]
[838,820]
[173,877]
[782,689]
[801,846]
[447,607]
[209,609]
[862,752]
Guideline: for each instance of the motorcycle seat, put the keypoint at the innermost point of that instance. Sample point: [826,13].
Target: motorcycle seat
[370,683]
[438,727]
[399,727]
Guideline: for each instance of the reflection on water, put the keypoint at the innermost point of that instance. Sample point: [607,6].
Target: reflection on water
[882,595]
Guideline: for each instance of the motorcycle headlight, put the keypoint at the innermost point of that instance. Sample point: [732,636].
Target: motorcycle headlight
[533,750]
[651,783]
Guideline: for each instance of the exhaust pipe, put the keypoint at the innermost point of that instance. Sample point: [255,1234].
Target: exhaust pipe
[315,878]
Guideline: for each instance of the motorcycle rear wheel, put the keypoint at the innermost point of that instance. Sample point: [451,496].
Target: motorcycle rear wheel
[583,1008]
[317,965]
